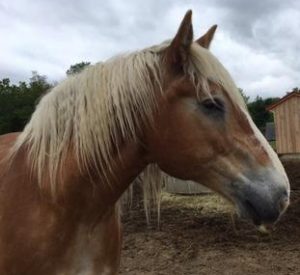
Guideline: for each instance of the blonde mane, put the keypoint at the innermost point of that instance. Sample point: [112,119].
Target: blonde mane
[91,111]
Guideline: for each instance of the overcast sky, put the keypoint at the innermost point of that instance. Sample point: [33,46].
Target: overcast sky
[258,41]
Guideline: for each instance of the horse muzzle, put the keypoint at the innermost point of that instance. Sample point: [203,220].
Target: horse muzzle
[261,210]
[262,198]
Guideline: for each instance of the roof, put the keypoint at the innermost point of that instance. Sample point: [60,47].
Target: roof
[285,98]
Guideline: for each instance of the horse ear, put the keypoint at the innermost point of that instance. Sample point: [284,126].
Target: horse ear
[206,39]
[178,51]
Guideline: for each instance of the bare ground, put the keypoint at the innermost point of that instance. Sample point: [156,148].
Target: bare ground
[199,235]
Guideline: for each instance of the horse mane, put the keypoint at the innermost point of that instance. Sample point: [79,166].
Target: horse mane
[90,111]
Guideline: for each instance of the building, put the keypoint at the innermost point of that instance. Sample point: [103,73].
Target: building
[177,186]
[287,123]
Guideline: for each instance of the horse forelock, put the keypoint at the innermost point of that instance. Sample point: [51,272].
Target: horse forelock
[208,68]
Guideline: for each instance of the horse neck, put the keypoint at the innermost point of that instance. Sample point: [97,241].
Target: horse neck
[91,193]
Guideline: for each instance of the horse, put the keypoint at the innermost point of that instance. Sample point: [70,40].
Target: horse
[172,107]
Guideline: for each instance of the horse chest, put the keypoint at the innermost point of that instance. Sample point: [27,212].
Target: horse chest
[88,255]
[80,256]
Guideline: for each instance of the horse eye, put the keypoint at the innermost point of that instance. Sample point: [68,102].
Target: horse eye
[213,106]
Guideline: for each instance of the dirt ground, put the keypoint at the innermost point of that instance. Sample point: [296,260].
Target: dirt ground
[200,235]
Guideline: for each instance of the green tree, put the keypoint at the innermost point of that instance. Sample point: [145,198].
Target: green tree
[258,111]
[77,68]
[17,102]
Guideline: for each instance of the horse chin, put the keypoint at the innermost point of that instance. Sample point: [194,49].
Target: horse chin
[265,228]
[246,212]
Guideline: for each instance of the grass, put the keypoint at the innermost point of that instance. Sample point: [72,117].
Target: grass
[207,203]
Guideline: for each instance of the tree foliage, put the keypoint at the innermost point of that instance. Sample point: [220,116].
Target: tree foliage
[77,68]
[258,111]
[17,102]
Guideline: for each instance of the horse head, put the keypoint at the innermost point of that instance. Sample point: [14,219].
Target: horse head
[202,131]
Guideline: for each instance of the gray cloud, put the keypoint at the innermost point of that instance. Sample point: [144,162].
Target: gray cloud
[258,41]
[270,29]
